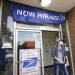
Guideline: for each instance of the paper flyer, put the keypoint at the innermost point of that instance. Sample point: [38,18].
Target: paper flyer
[29,62]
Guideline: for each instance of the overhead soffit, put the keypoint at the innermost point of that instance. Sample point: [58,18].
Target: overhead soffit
[56,5]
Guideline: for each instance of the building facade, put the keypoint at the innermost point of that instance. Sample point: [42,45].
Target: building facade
[25,37]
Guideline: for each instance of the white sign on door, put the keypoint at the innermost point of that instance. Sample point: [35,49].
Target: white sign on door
[29,62]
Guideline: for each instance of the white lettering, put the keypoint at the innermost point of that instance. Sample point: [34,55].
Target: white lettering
[46,16]
[62,17]
[40,15]
[19,12]
[43,16]
[54,17]
[25,13]
[51,17]
[32,14]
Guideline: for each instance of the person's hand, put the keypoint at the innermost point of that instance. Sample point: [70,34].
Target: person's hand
[60,61]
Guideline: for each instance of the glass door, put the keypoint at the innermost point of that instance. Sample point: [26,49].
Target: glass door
[28,52]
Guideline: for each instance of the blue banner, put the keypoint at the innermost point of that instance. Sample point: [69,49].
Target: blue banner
[25,13]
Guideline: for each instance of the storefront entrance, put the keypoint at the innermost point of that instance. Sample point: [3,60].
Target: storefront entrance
[28,46]
[32,51]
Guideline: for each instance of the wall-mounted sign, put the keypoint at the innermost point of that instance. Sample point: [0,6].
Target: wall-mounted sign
[25,13]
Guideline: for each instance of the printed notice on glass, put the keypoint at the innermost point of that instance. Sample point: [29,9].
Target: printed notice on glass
[29,62]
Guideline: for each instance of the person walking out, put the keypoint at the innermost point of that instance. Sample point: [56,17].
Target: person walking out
[59,55]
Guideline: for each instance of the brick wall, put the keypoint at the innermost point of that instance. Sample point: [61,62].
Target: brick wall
[71,25]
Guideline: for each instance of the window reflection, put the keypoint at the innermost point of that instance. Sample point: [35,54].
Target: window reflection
[29,47]
[28,40]
[7,39]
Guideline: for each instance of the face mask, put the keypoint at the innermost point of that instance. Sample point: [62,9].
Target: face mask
[60,42]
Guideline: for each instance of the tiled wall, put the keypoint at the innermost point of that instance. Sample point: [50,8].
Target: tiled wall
[71,25]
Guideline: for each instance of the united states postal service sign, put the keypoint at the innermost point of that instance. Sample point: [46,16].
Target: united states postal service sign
[25,13]
[29,62]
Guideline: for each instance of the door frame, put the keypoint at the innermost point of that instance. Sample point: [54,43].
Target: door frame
[29,28]
[15,53]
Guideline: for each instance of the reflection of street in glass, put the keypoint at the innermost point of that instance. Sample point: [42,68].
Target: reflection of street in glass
[9,55]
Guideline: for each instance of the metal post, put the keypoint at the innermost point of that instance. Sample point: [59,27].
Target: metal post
[60,33]
[0,21]
[14,52]
[42,54]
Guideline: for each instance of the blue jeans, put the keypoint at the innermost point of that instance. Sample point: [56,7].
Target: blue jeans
[62,67]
